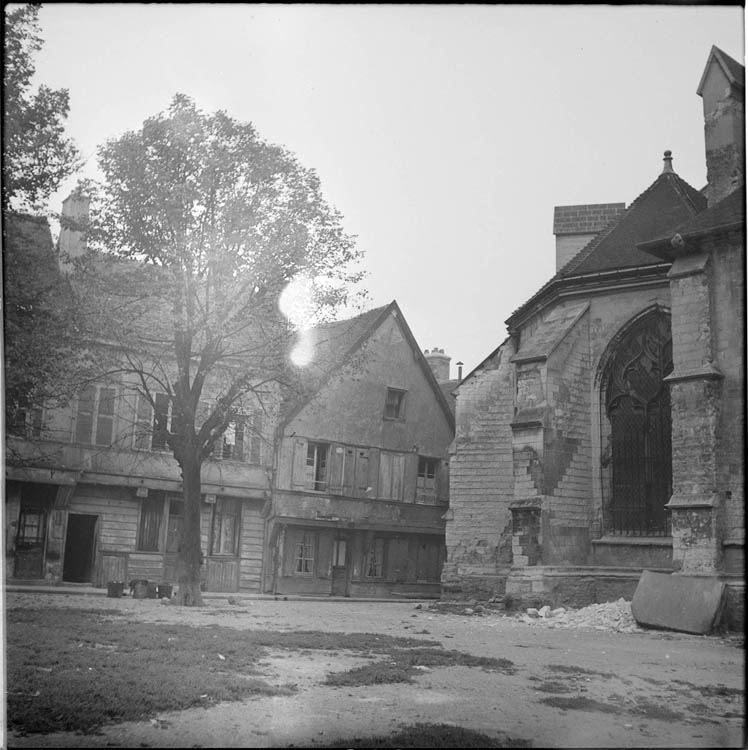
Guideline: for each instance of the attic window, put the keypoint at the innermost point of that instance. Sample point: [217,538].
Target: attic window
[394,405]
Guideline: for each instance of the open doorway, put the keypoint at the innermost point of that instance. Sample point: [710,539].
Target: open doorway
[79,548]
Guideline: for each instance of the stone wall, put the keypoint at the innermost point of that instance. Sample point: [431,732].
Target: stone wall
[478,533]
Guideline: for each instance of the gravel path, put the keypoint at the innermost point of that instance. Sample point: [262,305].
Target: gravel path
[584,678]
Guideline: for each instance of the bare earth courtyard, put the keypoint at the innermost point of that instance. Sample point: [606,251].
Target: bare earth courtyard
[578,681]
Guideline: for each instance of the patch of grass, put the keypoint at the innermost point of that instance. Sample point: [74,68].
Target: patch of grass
[655,711]
[580,703]
[554,686]
[77,669]
[404,664]
[565,669]
[432,735]
[73,670]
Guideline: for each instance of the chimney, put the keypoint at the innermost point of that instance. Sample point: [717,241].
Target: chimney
[439,363]
[722,89]
[459,370]
[576,226]
[72,242]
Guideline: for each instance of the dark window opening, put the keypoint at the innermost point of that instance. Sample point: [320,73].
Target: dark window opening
[638,408]
[394,404]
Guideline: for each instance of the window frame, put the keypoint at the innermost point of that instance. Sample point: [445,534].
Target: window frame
[302,546]
[155,515]
[99,422]
[423,489]
[394,404]
[318,480]
[220,513]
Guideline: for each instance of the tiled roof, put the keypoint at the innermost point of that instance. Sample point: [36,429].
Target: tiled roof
[333,341]
[666,203]
[730,211]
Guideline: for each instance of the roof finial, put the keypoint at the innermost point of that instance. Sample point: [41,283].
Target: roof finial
[668,159]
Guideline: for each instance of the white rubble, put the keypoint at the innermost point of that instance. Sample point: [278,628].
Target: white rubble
[605,616]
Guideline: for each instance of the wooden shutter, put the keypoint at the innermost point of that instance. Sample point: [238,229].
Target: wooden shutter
[143,424]
[298,472]
[442,482]
[385,475]
[362,472]
[349,474]
[84,416]
[105,417]
[374,472]
[336,460]
[411,475]
[398,475]
[253,439]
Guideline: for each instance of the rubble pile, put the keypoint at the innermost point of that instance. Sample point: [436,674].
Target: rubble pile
[605,616]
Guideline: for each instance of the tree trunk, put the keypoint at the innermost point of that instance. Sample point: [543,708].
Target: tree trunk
[190,555]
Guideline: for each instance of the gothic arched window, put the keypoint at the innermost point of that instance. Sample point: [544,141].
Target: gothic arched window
[637,403]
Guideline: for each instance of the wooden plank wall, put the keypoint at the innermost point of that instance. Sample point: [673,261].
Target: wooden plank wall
[252,540]
[118,512]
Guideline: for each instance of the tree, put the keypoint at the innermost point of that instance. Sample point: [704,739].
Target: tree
[39,312]
[197,228]
[37,156]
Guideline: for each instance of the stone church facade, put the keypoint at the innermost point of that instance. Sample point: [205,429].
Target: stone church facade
[605,435]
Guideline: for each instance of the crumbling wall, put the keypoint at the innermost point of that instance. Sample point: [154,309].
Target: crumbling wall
[478,533]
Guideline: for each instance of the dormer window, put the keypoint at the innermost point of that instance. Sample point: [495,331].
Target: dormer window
[394,405]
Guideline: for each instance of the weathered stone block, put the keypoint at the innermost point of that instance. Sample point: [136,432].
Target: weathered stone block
[691,604]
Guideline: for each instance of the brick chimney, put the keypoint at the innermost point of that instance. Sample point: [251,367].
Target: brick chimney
[722,89]
[72,242]
[439,363]
[575,226]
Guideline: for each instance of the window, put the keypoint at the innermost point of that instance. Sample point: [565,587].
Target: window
[316,466]
[304,555]
[391,473]
[233,440]
[161,422]
[637,404]
[95,416]
[426,480]
[174,524]
[226,520]
[242,440]
[31,526]
[374,561]
[394,405]
[149,530]
[27,422]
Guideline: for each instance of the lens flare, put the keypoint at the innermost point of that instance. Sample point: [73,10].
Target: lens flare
[296,302]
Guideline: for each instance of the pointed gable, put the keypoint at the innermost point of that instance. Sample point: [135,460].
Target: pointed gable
[731,69]
[335,344]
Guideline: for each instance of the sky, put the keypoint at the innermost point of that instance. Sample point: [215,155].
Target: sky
[444,134]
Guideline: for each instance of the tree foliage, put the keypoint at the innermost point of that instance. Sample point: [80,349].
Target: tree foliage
[37,156]
[198,227]
[41,359]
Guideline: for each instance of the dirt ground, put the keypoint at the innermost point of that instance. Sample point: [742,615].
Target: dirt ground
[580,686]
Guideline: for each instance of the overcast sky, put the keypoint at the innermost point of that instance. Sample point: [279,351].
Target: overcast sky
[445,135]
